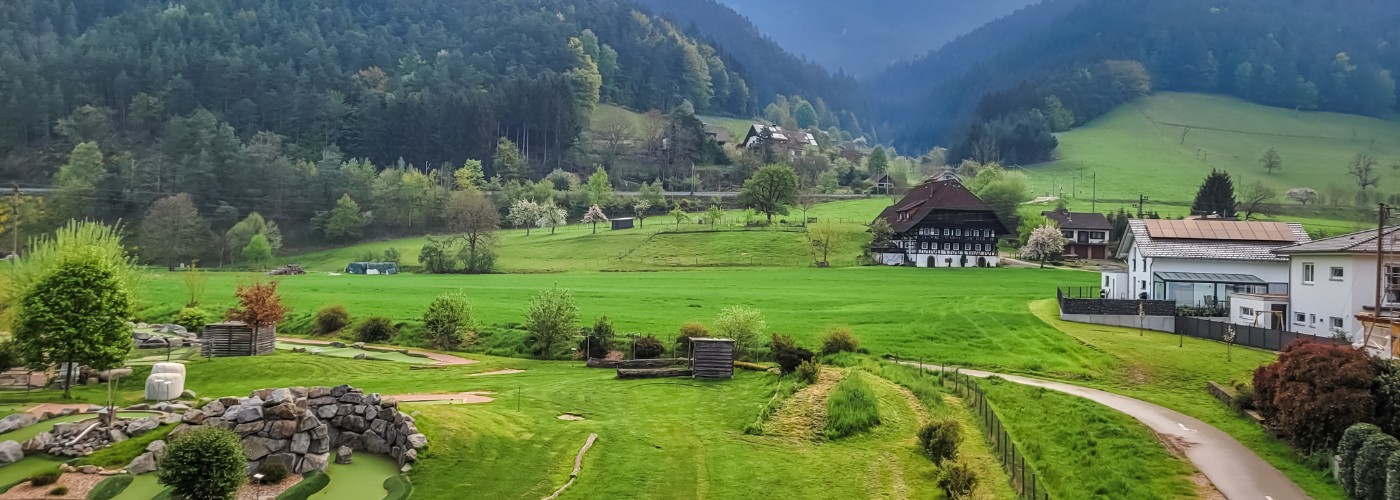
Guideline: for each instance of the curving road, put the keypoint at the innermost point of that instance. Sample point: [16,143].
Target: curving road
[1235,470]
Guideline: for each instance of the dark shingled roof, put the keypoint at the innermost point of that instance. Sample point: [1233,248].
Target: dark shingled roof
[1358,242]
[943,195]
[1089,221]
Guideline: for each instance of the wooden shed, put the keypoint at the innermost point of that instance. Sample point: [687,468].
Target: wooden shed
[623,223]
[712,358]
[235,338]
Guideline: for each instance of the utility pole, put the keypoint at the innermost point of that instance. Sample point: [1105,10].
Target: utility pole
[1142,202]
[1095,203]
[15,224]
[1383,215]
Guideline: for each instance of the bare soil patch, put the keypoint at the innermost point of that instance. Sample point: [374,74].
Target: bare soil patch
[476,397]
[572,417]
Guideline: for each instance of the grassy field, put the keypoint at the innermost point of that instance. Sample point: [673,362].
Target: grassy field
[1140,149]
[970,316]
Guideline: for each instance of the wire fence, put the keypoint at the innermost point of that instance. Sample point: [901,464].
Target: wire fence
[1024,479]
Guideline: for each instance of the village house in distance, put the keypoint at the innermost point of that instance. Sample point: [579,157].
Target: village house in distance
[942,224]
[1086,233]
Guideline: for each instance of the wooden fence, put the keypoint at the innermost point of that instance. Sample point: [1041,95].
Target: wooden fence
[223,340]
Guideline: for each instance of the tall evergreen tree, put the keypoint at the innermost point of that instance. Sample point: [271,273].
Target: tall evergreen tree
[1216,196]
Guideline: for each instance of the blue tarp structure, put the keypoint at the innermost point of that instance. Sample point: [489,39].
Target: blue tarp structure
[372,268]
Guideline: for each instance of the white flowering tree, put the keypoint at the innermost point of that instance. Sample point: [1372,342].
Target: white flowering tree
[1302,195]
[552,217]
[640,210]
[523,213]
[1045,243]
[594,216]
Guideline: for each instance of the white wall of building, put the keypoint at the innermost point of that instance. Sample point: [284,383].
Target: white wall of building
[1249,309]
[1318,306]
[1115,284]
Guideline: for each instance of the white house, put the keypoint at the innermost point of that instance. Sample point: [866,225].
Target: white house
[1201,262]
[1333,284]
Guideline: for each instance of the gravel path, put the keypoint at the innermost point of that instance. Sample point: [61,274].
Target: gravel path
[1234,469]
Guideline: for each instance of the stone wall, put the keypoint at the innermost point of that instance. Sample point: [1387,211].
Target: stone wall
[297,427]
[1115,307]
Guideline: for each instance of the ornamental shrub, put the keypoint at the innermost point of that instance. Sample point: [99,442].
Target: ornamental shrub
[1392,476]
[1352,440]
[59,491]
[839,339]
[44,479]
[272,472]
[939,440]
[808,372]
[787,353]
[689,331]
[957,480]
[648,347]
[1387,393]
[447,324]
[1314,392]
[743,325]
[331,319]
[375,329]
[205,463]
[597,342]
[192,318]
[1369,470]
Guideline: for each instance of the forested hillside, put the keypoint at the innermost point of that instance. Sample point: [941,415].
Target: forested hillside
[282,108]
[1305,54]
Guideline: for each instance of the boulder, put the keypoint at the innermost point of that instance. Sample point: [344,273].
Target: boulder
[249,413]
[313,461]
[113,374]
[360,356]
[326,412]
[358,345]
[248,428]
[301,443]
[355,423]
[344,455]
[279,396]
[253,401]
[352,398]
[116,436]
[89,469]
[215,407]
[339,390]
[373,443]
[350,439]
[193,417]
[143,463]
[417,441]
[318,392]
[337,345]
[228,401]
[286,460]
[319,445]
[281,429]
[168,368]
[257,447]
[38,443]
[284,411]
[140,426]
[157,448]
[17,421]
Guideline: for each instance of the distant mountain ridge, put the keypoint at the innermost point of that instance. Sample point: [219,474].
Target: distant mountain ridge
[862,38]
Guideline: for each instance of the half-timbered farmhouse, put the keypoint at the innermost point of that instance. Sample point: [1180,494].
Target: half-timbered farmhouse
[942,224]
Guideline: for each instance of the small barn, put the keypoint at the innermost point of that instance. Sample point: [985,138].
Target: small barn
[712,358]
[622,223]
[236,338]
[372,268]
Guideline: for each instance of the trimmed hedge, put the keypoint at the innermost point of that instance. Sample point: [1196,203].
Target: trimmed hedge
[311,483]
[1369,470]
[398,486]
[1352,441]
[1392,476]
[111,487]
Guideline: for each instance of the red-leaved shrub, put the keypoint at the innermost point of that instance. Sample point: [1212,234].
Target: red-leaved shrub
[1314,392]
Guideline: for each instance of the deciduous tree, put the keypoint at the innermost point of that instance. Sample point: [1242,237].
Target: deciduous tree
[1314,392]
[552,217]
[259,305]
[173,230]
[258,251]
[599,188]
[1045,243]
[745,325]
[447,324]
[346,222]
[551,319]
[1303,196]
[678,213]
[523,213]
[76,313]
[594,216]
[824,236]
[770,191]
[1363,168]
[1253,197]
[639,210]
[472,218]
[1271,161]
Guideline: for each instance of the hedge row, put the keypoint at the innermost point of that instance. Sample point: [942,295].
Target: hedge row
[1368,462]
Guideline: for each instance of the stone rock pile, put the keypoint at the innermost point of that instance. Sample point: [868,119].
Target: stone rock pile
[75,439]
[297,427]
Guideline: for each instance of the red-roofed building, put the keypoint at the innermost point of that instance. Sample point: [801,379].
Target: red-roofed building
[942,224]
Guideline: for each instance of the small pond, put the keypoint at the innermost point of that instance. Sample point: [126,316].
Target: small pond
[362,479]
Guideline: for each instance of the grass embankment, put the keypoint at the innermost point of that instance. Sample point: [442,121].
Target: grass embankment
[1140,149]
[1086,450]
[973,317]
[1151,367]
[851,408]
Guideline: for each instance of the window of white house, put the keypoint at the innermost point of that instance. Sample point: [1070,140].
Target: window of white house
[1068,234]
[1105,281]
[1337,274]
[957,232]
[1142,285]
[1134,265]
[947,232]
[1098,235]
[957,246]
[977,232]
[1312,319]
[1300,318]
[1337,322]
[947,246]
[1309,270]
[1246,312]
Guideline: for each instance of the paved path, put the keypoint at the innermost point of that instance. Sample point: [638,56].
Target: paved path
[1235,470]
[441,359]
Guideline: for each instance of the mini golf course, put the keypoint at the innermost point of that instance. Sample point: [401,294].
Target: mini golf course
[29,466]
[142,487]
[350,352]
[22,435]
[362,479]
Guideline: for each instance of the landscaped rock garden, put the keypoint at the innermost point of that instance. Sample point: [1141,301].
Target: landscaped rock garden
[75,439]
[297,427]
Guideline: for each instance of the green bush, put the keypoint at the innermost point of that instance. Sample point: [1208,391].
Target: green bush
[59,491]
[808,372]
[1352,441]
[598,340]
[311,483]
[1244,396]
[375,329]
[447,324]
[689,331]
[118,455]
[331,319]
[273,473]
[398,487]
[1369,470]
[392,255]
[45,478]
[957,480]
[743,325]
[851,408]
[839,339]
[204,463]
[192,318]
[939,440]
[648,347]
[1392,476]
[787,354]
[111,487]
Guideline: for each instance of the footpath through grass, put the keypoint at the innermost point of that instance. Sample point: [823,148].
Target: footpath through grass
[1155,370]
